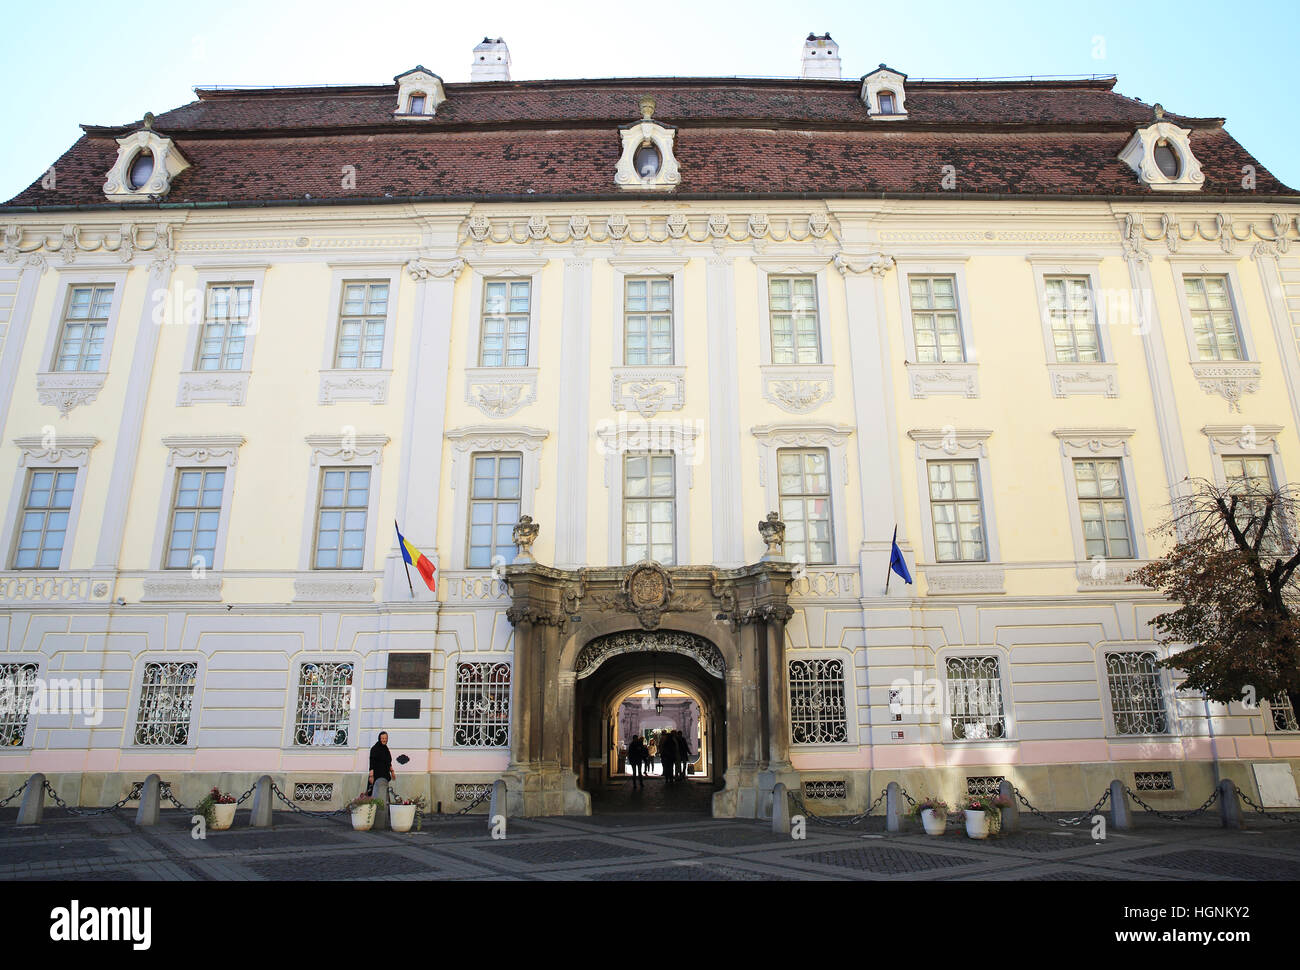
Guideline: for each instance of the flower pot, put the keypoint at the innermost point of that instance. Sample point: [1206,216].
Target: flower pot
[363,818]
[401,817]
[933,822]
[223,816]
[977,824]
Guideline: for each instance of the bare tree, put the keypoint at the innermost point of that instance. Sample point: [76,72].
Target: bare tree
[1232,570]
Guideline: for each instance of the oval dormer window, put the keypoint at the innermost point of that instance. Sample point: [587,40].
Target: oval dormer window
[1167,159]
[417,104]
[647,160]
[886,102]
[141,169]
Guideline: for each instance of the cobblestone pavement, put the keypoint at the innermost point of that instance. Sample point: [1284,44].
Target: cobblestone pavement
[635,846]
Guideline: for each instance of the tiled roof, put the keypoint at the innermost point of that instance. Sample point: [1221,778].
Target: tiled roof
[553,140]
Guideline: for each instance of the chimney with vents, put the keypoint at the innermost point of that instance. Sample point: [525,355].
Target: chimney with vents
[821,57]
[492,61]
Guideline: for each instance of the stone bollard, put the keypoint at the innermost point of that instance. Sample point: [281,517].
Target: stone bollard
[1229,807]
[380,791]
[1011,811]
[260,817]
[893,808]
[32,807]
[780,810]
[497,803]
[150,802]
[1120,818]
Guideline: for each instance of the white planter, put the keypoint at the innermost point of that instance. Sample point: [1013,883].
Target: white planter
[363,818]
[977,824]
[401,817]
[223,816]
[934,823]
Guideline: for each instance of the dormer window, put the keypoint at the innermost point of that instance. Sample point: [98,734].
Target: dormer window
[887,102]
[146,164]
[647,160]
[884,94]
[1166,159]
[141,169]
[416,104]
[419,92]
[1161,155]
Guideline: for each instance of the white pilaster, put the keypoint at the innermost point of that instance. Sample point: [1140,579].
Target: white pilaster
[574,425]
[20,321]
[1265,256]
[724,414]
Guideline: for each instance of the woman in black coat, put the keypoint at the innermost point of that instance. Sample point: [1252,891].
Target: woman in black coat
[381,760]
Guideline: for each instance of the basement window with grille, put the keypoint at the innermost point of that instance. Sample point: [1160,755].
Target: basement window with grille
[313,791]
[469,792]
[985,785]
[831,788]
[1153,781]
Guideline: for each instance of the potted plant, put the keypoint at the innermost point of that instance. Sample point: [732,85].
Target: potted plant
[933,813]
[218,809]
[403,812]
[363,809]
[977,810]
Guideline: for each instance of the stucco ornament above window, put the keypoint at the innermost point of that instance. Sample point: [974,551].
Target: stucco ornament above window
[419,92]
[146,164]
[647,162]
[883,94]
[1161,155]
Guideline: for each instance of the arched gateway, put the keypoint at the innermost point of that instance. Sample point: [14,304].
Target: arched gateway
[584,638]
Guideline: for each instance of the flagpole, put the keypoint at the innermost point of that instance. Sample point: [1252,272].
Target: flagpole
[406,565]
[889,569]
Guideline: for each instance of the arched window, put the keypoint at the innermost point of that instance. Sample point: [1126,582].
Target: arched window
[141,169]
[1167,159]
[886,102]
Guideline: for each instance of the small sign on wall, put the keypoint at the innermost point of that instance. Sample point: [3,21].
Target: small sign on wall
[1276,785]
[406,709]
[408,671]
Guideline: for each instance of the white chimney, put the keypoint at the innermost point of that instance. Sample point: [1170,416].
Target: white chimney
[492,61]
[821,57]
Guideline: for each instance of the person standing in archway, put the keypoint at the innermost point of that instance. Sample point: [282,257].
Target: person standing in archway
[636,753]
[668,755]
[683,754]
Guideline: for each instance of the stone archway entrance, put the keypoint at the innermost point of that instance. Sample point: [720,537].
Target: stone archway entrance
[582,636]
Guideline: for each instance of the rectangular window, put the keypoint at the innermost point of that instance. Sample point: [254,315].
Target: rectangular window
[506,315]
[166,700]
[45,518]
[1282,713]
[956,511]
[806,504]
[17,690]
[649,508]
[196,513]
[85,322]
[482,718]
[493,509]
[225,326]
[341,518]
[362,318]
[818,714]
[1250,477]
[324,707]
[1137,700]
[935,320]
[1214,323]
[648,321]
[792,305]
[975,699]
[1073,322]
[1103,508]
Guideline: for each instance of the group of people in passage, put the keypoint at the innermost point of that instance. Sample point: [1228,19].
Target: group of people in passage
[672,749]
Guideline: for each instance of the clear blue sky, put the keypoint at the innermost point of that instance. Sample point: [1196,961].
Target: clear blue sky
[107,63]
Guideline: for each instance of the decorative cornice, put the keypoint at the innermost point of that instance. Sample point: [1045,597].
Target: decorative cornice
[67,450]
[424,268]
[655,227]
[183,588]
[1247,438]
[69,390]
[500,392]
[796,388]
[333,590]
[648,390]
[208,387]
[927,380]
[1231,380]
[203,449]
[361,449]
[876,264]
[1094,440]
[934,442]
[964,578]
[1070,380]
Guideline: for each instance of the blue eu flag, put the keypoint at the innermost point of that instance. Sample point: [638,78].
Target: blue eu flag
[897,565]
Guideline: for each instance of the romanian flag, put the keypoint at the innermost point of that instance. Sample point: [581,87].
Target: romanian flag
[414,557]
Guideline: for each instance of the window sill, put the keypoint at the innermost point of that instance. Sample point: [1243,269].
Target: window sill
[798,388]
[181,588]
[354,384]
[1107,574]
[53,586]
[500,392]
[959,578]
[649,389]
[348,588]
[213,387]
[67,390]
[929,380]
[1073,380]
[1230,379]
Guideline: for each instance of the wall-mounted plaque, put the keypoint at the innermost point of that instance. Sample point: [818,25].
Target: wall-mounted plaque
[406,709]
[408,671]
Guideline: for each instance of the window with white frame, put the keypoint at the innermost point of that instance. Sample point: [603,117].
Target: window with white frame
[818,714]
[805,486]
[228,310]
[957,511]
[975,698]
[85,324]
[1214,320]
[1073,319]
[792,308]
[503,335]
[1103,508]
[649,508]
[1137,699]
[1250,479]
[196,515]
[936,324]
[648,320]
[1282,712]
[323,708]
[341,518]
[363,317]
[495,492]
[482,715]
[44,524]
[17,689]
[166,703]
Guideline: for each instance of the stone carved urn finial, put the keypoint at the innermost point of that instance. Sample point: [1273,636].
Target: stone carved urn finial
[772,529]
[647,107]
[523,536]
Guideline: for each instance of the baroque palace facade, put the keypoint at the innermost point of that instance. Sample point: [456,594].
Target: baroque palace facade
[1009,320]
